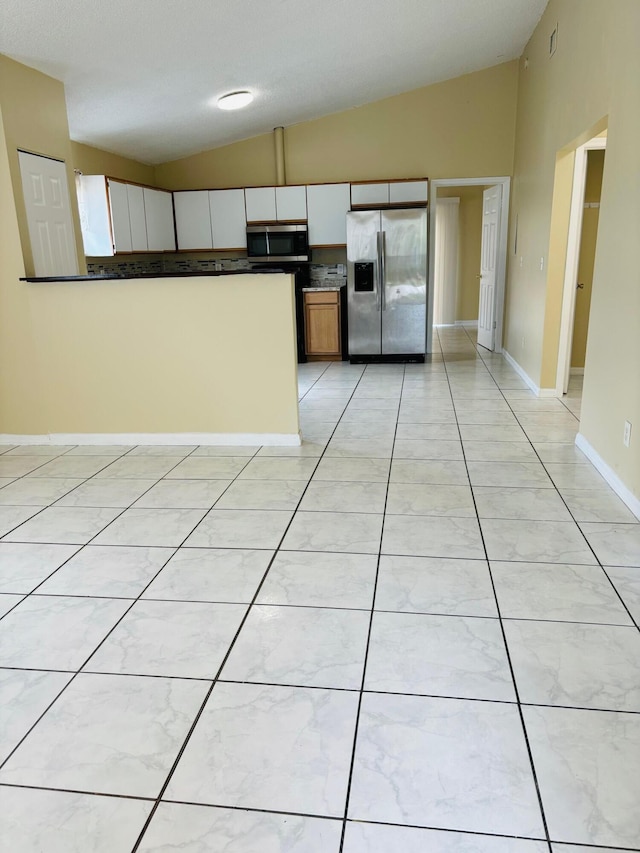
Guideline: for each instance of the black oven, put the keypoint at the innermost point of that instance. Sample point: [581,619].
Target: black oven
[278,242]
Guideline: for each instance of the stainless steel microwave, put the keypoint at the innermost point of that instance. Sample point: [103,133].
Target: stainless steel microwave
[278,242]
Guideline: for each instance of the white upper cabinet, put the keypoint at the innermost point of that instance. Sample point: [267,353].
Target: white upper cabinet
[228,219]
[407,192]
[369,194]
[120,226]
[95,217]
[327,206]
[261,204]
[193,219]
[291,203]
[137,218]
[158,208]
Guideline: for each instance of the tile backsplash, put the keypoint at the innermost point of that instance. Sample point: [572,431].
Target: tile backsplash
[159,264]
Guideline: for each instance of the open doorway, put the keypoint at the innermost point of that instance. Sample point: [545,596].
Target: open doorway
[578,276]
[461,290]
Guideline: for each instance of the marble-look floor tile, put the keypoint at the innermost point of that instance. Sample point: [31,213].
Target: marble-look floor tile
[353,470]
[24,696]
[99,450]
[301,646]
[485,416]
[183,494]
[226,450]
[307,448]
[365,427]
[4,481]
[431,536]
[563,434]
[13,516]
[328,496]
[139,467]
[597,505]
[180,450]
[229,528]
[8,601]
[51,632]
[108,493]
[375,838]
[544,542]
[489,432]
[199,829]
[421,499]
[427,432]
[109,734]
[19,466]
[557,452]
[373,448]
[208,468]
[72,466]
[627,582]
[569,663]
[48,450]
[183,639]
[523,503]
[614,544]
[262,494]
[435,585]
[36,491]
[576,476]
[558,592]
[426,762]
[416,413]
[107,570]
[347,532]
[320,580]
[210,574]
[24,566]
[275,748]
[64,822]
[427,449]
[66,525]
[457,656]
[573,848]
[509,474]
[278,468]
[429,471]
[587,768]
[499,451]
[160,527]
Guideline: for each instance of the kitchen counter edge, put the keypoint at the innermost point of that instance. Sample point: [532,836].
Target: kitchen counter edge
[124,276]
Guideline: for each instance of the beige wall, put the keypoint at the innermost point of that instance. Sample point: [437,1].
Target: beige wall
[95,161]
[592,81]
[590,216]
[460,128]
[469,243]
[35,119]
[210,354]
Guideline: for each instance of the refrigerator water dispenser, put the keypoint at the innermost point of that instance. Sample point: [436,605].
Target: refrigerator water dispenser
[363,277]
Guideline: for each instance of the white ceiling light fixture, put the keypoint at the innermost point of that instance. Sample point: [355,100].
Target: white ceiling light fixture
[235,100]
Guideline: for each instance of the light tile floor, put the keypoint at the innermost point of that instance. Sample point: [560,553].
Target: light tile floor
[418,631]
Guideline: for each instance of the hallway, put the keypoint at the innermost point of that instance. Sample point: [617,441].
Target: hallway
[418,631]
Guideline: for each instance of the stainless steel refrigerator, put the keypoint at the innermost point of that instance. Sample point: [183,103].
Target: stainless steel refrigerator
[387,284]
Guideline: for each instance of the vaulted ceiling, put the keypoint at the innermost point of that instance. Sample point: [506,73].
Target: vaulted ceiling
[142,76]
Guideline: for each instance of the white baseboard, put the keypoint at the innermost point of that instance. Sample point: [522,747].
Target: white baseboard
[609,475]
[576,371]
[239,439]
[539,392]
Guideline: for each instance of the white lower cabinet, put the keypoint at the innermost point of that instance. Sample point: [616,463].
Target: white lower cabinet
[327,206]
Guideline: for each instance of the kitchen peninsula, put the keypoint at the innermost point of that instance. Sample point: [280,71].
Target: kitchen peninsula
[187,358]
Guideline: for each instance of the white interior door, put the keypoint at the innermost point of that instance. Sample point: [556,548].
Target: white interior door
[446,261]
[491,202]
[46,198]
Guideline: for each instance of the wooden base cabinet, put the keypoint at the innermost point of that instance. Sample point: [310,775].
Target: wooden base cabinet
[322,325]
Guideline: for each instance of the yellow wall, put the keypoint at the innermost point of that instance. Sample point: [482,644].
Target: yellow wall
[161,355]
[592,81]
[95,161]
[460,128]
[35,119]
[590,216]
[469,243]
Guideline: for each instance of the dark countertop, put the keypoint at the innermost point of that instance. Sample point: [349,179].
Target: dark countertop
[151,275]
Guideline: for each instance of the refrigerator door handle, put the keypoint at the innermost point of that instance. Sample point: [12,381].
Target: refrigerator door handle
[379,263]
[383,277]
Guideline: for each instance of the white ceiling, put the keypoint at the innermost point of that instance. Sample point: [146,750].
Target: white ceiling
[140,74]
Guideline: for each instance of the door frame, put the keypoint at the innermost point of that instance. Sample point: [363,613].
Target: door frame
[567,315]
[501,272]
